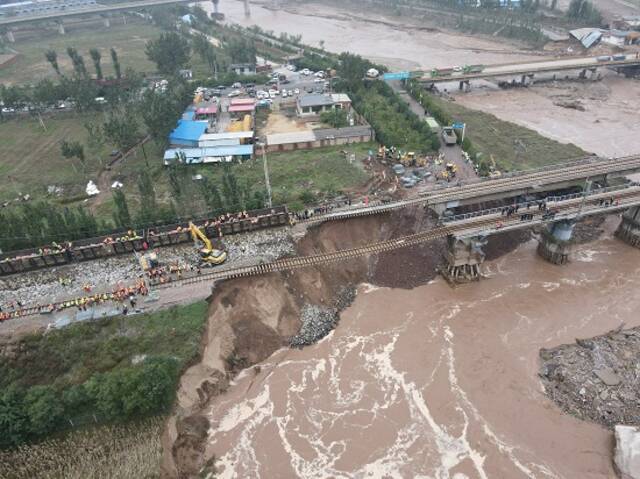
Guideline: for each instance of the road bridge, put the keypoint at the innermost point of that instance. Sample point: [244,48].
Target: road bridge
[527,71]
[93,10]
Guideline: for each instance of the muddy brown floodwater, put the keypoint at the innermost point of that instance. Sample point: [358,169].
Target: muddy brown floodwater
[434,381]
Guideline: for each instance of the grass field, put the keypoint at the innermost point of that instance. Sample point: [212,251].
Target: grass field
[513,147]
[320,171]
[71,355]
[129,41]
[31,159]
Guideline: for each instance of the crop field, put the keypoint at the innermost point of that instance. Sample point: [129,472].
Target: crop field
[103,452]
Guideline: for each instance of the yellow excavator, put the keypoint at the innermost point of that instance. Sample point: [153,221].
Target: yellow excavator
[208,254]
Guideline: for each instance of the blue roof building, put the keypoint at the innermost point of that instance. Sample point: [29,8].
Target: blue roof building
[187,133]
[215,154]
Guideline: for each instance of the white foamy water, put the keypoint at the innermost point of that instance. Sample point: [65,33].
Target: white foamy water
[434,382]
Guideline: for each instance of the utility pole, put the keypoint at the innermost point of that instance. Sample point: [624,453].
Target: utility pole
[266,171]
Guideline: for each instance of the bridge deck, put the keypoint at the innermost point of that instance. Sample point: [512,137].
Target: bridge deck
[534,67]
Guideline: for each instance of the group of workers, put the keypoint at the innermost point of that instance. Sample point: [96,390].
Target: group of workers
[130,236]
[120,295]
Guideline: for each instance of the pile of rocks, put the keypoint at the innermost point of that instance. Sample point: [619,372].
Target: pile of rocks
[596,379]
[317,322]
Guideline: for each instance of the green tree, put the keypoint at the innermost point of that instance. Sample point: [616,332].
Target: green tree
[337,118]
[46,93]
[121,215]
[116,63]
[52,58]
[231,190]
[14,421]
[584,10]
[74,149]
[78,63]
[44,409]
[95,57]
[170,52]
[148,204]
[122,130]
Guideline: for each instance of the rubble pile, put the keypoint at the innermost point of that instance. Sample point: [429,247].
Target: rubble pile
[318,321]
[596,379]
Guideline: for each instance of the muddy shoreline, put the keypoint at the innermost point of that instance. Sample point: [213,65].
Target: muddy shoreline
[252,318]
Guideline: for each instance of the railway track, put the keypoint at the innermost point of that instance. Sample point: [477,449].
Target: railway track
[574,170]
[466,227]
[288,264]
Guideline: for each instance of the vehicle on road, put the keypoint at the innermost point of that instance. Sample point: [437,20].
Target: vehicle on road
[449,136]
[373,73]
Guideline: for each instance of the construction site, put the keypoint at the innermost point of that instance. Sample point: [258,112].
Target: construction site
[468,310]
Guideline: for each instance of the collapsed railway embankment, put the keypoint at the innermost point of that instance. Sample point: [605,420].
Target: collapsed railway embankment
[250,318]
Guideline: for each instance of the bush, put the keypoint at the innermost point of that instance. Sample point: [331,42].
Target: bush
[337,118]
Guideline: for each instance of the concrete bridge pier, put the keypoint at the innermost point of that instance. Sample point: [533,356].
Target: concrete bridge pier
[464,85]
[61,28]
[463,259]
[629,229]
[556,241]
[10,37]
[106,22]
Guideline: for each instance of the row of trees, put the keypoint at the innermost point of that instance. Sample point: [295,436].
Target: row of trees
[585,11]
[79,66]
[118,395]
[391,118]
[35,224]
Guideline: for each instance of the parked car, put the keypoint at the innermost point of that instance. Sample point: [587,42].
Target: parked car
[305,71]
[291,68]
[318,80]
[296,91]
[237,85]
[319,74]
[273,93]
[234,93]
[284,94]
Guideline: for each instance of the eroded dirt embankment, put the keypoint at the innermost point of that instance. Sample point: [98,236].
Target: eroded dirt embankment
[250,318]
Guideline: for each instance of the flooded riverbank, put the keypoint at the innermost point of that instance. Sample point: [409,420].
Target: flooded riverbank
[434,381]
[392,41]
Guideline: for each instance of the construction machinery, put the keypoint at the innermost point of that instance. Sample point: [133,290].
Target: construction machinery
[148,261]
[208,254]
[452,169]
[408,159]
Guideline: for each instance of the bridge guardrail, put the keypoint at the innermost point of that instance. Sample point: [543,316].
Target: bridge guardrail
[548,199]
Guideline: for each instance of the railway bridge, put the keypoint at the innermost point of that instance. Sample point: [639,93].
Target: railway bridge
[467,233]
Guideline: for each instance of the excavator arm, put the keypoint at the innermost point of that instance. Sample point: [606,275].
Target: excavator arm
[198,235]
